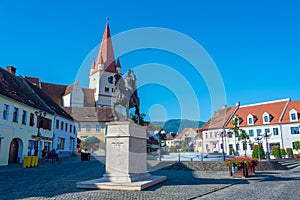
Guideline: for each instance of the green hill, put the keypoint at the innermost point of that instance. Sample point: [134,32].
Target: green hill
[177,125]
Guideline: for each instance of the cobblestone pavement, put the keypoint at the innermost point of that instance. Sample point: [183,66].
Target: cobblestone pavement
[264,185]
[57,181]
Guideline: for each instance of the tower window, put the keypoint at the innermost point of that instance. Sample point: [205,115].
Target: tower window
[106,89]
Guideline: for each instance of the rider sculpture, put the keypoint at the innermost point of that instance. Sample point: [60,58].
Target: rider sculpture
[126,94]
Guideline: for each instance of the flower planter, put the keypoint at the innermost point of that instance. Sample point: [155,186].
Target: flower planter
[243,166]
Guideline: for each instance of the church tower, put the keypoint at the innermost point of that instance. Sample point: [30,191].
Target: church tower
[101,71]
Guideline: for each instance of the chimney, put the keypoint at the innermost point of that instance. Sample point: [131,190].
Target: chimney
[225,106]
[237,103]
[11,70]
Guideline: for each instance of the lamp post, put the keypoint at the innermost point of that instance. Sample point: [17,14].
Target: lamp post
[222,136]
[266,136]
[258,140]
[40,117]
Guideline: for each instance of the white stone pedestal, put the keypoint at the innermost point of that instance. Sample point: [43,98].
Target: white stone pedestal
[126,159]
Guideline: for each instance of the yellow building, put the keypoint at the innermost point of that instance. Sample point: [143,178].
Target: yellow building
[18,121]
[91,125]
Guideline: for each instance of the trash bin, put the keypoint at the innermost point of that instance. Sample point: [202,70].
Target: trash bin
[27,161]
[34,161]
[85,156]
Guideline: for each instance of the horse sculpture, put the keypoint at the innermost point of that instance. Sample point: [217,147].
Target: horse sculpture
[126,95]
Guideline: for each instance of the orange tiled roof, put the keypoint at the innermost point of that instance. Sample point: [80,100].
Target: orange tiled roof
[219,118]
[292,105]
[273,108]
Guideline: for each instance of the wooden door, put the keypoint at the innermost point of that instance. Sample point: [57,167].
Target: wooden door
[13,151]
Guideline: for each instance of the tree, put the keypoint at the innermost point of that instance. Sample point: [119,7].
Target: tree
[289,152]
[261,152]
[242,134]
[135,118]
[283,153]
[297,145]
[244,137]
[276,151]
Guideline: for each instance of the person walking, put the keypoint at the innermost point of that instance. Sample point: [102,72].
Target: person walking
[44,152]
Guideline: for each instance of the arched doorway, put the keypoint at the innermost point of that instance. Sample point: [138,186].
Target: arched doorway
[13,151]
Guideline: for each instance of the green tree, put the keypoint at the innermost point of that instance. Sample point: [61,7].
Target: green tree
[283,153]
[172,149]
[261,152]
[297,145]
[135,118]
[289,152]
[242,134]
[276,151]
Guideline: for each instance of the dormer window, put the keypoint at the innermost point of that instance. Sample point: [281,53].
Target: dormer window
[250,119]
[293,115]
[266,118]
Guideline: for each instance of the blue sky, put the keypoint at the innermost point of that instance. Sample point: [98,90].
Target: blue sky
[255,46]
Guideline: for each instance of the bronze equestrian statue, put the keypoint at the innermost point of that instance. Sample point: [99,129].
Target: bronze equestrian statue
[126,94]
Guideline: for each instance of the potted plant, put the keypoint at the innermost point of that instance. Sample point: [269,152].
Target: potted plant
[244,166]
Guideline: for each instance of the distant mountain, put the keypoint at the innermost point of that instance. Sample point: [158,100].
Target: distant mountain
[177,125]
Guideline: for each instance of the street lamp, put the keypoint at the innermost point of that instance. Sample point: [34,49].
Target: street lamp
[266,136]
[222,134]
[40,117]
[259,141]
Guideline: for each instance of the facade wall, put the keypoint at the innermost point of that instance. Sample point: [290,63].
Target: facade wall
[23,133]
[65,135]
[90,129]
[288,137]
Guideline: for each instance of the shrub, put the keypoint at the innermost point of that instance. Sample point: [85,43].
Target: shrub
[289,152]
[261,151]
[283,153]
[276,151]
[231,151]
[172,149]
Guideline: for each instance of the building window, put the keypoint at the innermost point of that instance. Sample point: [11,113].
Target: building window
[210,134]
[251,133]
[267,130]
[87,128]
[74,129]
[24,117]
[206,146]
[293,115]
[250,119]
[275,131]
[62,126]
[112,90]
[266,118]
[66,127]
[221,146]
[230,134]
[258,132]
[230,146]
[79,127]
[61,143]
[57,124]
[15,114]
[216,134]
[98,127]
[294,130]
[206,135]
[106,89]
[236,134]
[244,146]
[237,147]
[31,121]
[70,129]
[5,113]
[251,146]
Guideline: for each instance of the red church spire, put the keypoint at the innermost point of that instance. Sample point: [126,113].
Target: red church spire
[106,53]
